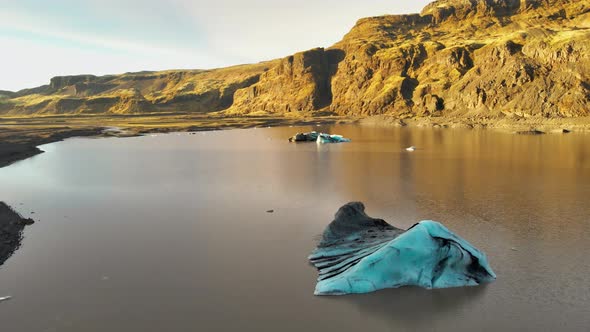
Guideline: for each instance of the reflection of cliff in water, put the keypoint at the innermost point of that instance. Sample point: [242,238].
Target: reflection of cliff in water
[11,231]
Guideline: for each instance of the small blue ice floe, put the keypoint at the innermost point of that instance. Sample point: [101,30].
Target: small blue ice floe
[360,254]
[327,138]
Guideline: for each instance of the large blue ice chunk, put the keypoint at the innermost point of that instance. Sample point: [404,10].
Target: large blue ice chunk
[360,254]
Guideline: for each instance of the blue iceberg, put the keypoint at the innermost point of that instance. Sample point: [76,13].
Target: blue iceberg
[360,254]
[327,138]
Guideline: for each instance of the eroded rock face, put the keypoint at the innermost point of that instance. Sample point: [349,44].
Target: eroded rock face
[198,91]
[299,83]
[461,9]
[60,82]
[360,254]
[11,228]
[458,57]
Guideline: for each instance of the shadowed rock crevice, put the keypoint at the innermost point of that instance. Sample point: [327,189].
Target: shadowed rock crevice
[299,83]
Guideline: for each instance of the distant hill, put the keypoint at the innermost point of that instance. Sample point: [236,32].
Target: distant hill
[491,58]
[6,94]
[173,90]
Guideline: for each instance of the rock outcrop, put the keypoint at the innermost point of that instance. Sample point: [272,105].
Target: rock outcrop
[457,58]
[11,229]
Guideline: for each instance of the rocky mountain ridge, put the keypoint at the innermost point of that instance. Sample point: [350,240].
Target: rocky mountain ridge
[477,58]
[196,91]
[463,58]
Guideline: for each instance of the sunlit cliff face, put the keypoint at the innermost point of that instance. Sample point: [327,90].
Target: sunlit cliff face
[456,59]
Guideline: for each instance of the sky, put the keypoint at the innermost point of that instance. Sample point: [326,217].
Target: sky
[41,39]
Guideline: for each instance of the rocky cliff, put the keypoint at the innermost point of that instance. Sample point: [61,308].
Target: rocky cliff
[465,58]
[175,90]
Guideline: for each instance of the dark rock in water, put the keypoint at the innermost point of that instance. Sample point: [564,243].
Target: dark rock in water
[27,221]
[304,137]
[318,137]
[360,254]
[531,132]
[11,228]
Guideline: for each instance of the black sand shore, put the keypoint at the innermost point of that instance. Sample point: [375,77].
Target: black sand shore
[11,228]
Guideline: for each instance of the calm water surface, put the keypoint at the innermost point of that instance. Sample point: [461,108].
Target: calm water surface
[170,233]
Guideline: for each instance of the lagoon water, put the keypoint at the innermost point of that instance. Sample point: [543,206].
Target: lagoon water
[171,233]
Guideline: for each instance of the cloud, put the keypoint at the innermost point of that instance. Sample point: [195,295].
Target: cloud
[38,26]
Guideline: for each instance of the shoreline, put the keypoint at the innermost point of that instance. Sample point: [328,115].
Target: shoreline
[524,125]
[12,225]
[18,144]
[20,137]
